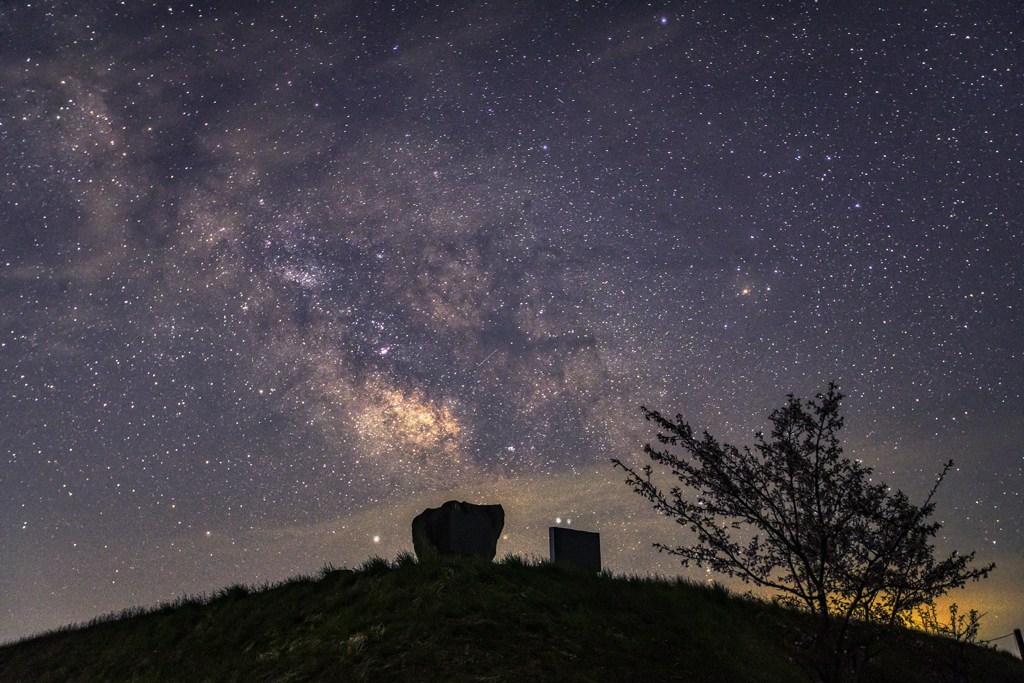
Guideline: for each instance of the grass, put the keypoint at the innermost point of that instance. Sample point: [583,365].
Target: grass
[457,620]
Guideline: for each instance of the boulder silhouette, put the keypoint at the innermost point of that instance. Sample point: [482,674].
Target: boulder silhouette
[458,528]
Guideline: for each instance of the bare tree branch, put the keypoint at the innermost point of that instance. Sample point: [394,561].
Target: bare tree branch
[826,537]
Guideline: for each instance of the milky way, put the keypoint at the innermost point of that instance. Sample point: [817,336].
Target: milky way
[275,279]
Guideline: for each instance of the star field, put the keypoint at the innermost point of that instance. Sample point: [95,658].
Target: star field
[274,278]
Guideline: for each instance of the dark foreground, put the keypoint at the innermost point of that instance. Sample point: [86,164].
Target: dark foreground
[466,620]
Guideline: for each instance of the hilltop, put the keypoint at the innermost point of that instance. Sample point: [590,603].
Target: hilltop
[462,620]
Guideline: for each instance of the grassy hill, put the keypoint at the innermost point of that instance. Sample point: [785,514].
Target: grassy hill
[461,620]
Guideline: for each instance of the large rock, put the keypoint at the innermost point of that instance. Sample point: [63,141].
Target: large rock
[458,529]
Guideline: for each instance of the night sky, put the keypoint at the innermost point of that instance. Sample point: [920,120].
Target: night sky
[275,278]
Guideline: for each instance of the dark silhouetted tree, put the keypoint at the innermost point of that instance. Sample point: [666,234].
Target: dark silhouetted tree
[795,516]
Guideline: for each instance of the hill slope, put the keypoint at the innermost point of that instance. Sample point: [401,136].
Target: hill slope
[463,620]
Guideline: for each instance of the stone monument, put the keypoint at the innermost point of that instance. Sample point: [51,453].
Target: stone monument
[458,528]
[577,547]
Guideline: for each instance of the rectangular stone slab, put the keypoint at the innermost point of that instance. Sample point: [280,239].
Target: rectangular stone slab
[577,547]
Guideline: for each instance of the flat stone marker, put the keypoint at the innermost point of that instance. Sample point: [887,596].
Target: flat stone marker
[576,547]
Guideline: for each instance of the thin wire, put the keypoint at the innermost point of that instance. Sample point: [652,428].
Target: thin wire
[999,638]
